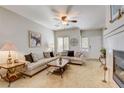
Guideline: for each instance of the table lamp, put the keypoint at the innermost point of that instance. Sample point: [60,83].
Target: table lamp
[8,46]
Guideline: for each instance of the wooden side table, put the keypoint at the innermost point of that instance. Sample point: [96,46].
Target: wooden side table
[12,74]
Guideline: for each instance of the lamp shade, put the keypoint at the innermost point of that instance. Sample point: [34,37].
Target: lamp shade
[8,46]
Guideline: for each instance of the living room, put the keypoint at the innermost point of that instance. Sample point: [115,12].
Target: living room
[63,46]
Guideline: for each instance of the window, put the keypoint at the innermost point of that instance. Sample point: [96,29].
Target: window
[66,43]
[60,44]
[85,44]
[63,44]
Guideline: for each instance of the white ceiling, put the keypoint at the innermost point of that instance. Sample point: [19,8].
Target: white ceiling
[88,16]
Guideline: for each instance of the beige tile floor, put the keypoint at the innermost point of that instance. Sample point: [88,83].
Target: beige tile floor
[89,75]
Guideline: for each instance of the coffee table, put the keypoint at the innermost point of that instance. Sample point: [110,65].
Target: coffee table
[57,66]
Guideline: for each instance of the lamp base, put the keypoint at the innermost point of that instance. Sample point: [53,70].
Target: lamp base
[9,61]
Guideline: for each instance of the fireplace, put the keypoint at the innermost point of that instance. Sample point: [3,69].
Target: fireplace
[118,67]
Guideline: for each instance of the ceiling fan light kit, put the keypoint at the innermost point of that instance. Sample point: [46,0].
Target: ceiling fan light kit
[64,19]
[64,22]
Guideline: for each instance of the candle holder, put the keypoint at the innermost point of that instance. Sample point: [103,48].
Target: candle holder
[60,61]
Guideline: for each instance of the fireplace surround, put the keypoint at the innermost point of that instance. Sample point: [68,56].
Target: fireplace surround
[118,67]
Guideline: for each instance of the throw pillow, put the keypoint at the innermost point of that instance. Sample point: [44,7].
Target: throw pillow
[51,54]
[71,53]
[78,54]
[29,57]
[35,57]
[46,54]
[64,53]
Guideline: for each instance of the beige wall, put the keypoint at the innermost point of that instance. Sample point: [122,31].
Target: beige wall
[14,28]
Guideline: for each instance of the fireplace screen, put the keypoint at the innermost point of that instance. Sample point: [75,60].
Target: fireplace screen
[118,67]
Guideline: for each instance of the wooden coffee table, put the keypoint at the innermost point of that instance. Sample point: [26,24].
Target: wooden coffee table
[57,66]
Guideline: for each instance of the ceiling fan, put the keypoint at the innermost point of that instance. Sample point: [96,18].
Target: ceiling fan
[65,18]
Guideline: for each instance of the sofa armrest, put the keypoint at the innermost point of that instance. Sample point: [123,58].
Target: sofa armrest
[26,62]
[83,57]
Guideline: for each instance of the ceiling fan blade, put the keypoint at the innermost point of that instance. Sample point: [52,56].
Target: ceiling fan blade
[74,21]
[56,18]
[69,7]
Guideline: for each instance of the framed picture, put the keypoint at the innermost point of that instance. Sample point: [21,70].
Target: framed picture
[34,39]
[115,12]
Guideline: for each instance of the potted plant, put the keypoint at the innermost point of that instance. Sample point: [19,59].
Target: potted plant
[103,52]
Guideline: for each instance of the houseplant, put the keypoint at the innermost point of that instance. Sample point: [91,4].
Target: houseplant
[103,52]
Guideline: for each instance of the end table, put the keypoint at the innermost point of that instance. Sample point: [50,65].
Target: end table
[12,74]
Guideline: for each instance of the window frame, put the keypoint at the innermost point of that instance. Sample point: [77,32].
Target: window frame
[63,43]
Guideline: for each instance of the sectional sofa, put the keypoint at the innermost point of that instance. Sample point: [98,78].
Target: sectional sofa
[33,68]
[75,60]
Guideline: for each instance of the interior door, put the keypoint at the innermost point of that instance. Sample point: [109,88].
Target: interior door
[95,44]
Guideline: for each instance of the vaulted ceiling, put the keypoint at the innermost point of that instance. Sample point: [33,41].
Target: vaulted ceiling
[87,16]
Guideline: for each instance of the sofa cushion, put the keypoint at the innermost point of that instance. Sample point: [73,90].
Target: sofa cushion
[47,60]
[73,58]
[29,57]
[34,65]
[46,54]
[41,62]
[71,53]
